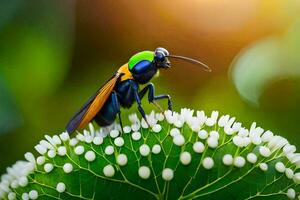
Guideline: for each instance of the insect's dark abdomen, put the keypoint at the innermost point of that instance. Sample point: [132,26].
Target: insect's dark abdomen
[107,114]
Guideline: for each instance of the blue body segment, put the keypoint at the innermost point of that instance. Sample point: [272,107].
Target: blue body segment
[141,66]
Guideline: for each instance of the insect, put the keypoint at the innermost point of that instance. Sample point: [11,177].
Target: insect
[122,89]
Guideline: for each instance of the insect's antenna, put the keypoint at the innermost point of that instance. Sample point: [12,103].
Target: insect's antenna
[191,60]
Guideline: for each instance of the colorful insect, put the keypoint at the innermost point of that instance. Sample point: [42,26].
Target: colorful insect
[122,89]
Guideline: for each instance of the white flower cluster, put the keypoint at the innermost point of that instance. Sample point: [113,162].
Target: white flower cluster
[18,174]
[200,124]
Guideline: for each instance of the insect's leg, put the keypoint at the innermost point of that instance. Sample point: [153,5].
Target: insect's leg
[142,94]
[116,106]
[152,97]
[138,100]
[165,96]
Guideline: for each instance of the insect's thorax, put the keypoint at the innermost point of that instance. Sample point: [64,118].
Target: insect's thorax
[145,76]
[125,92]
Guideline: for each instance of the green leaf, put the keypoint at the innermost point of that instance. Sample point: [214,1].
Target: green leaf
[194,177]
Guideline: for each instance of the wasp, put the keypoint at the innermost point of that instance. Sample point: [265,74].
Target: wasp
[123,89]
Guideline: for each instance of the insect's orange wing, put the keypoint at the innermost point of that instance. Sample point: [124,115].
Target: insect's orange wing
[99,101]
[93,105]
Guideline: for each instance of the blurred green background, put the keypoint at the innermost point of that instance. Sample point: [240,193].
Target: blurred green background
[55,54]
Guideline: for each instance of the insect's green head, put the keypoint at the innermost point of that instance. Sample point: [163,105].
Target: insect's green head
[147,59]
[143,56]
[144,65]
[158,59]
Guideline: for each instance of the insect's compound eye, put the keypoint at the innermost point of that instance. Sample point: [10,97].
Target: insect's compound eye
[159,56]
[162,50]
[165,51]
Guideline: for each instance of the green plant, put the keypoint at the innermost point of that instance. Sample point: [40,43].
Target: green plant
[182,156]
